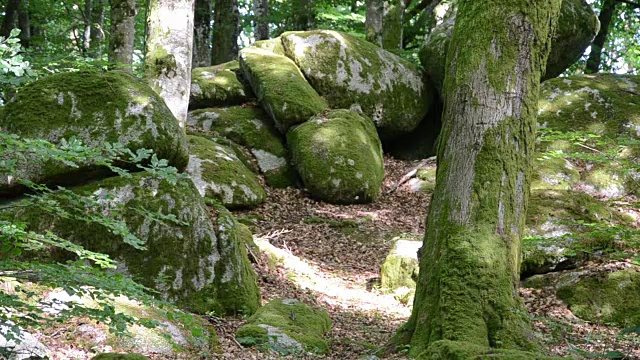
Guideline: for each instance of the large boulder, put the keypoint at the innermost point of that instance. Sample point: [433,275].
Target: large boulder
[609,298]
[250,127]
[349,71]
[339,157]
[577,26]
[220,175]
[95,107]
[282,90]
[198,260]
[218,85]
[288,326]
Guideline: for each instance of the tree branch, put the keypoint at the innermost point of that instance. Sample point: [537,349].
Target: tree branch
[424,4]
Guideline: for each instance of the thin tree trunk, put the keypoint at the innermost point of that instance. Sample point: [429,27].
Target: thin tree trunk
[17,17]
[261,12]
[304,15]
[169,52]
[86,43]
[226,29]
[202,34]
[97,28]
[467,290]
[24,23]
[123,13]
[605,17]
[383,23]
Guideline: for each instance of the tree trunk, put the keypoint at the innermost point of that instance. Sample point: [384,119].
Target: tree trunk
[86,36]
[605,17]
[260,12]
[97,28]
[226,29]
[123,14]
[304,15]
[202,34]
[169,52]
[24,23]
[467,290]
[383,23]
[17,16]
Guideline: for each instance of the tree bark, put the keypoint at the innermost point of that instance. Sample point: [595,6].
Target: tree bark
[467,290]
[17,16]
[605,17]
[169,52]
[86,36]
[261,12]
[202,33]
[123,13]
[226,29]
[97,28]
[383,23]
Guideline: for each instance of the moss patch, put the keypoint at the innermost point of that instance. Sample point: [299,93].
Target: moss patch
[282,90]
[218,85]
[273,45]
[339,157]
[118,356]
[349,71]
[400,268]
[220,175]
[459,350]
[553,173]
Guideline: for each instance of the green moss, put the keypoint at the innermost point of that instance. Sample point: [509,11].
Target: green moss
[273,45]
[553,173]
[159,61]
[349,71]
[250,335]
[339,157]
[282,90]
[610,298]
[117,356]
[218,85]
[295,319]
[400,268]
[250,127]
[220,175]
[95,107]
[458,350]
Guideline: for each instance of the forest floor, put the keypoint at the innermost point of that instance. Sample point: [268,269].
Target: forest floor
[334,255]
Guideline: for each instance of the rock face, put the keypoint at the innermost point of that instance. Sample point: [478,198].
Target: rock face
[348,71]
[26,348]
[192,262]
[287,326]
[220,175]
[606,298]
[282,90]
[250,127]
[338,157]
[95,107]
[218,85]
[577,26]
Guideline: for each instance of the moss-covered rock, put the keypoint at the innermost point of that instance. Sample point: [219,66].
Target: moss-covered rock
[553,173]
[218,85]
[250,127]
[610,298]
[287,326]
[220,175]
[273,45]
[198,264]
[349,71]
[400,268]
[338,157]
[460,350]
[119,356]
[577,26]
[95,107]
[282,90]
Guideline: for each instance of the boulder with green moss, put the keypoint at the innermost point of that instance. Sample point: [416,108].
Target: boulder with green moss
[197,259]
[400,268]
[287,326]
[94,107]
[553,173]
[610,298]
[273,45]
[349,71]
[218,85]
[339,157]
[250,127]
[282,90]
[577,26]
[219,175]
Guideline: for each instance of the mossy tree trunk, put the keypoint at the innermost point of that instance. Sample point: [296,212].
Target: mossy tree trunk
[226,29]
[123,16]
[384,23]
[169,52]
[202,33]
[97,28]
[16,15]
[261,11]
[605,17]
[467,290]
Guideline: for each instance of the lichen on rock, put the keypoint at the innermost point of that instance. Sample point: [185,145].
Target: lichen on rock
[339,157]
[218,85]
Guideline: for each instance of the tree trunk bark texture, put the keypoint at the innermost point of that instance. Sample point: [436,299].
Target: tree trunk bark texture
[17,16]
[605,17]
[202,34]
[169,52]
[97,28]
[383,24]
[123,16]
[467,290]
[261,11]
[226,29]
